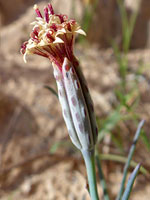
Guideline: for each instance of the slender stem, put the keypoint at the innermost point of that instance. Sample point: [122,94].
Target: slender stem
[89,159]
[102,179]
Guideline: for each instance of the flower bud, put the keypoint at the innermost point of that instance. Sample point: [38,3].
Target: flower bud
[65,107]
[77,114]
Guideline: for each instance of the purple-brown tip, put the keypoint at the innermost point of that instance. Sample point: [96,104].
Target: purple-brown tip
[51,9]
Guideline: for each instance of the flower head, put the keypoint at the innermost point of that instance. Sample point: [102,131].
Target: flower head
[52,36]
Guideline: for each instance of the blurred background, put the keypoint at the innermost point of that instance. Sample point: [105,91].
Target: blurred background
[37,159]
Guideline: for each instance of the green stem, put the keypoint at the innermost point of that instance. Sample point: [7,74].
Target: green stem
[122,159]
[101,176]
[89,159]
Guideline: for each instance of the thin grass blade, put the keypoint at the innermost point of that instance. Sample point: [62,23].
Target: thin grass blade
[51,90]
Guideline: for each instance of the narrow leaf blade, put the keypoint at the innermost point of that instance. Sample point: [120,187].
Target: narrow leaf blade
[130,183]
[130,155]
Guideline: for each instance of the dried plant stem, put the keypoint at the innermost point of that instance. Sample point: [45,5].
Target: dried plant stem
[89,159]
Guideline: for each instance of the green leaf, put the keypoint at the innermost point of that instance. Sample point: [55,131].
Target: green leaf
[109,124]
[53,91]
[64,143]
[130,183]
[145,139]
[130,155]
[54,147]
